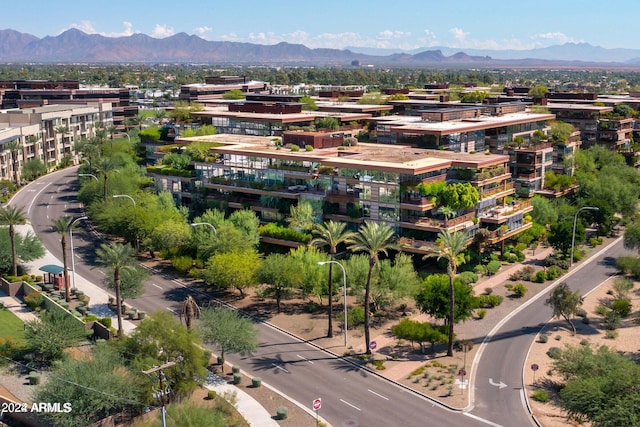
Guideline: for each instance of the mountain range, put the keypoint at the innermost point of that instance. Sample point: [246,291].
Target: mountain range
[75,46]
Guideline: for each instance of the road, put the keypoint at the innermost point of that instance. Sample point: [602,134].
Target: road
[350,396]
[499,394]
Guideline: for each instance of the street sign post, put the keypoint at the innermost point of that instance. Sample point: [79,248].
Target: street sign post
[534,368]
[317,404]
[462,373]
[373,345]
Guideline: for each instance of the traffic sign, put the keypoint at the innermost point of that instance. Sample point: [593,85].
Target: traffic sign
[534,367]
[462,372]
[317,404]
[373,345]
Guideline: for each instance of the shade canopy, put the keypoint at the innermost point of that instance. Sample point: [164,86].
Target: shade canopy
[52,268]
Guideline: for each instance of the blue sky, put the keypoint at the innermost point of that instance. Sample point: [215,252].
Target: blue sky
[399,24]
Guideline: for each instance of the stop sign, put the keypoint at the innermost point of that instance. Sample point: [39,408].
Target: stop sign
[317,404]
[373,345]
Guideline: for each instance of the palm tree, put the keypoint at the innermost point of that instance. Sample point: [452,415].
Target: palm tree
[63,225]
[190,310]
[373,239]
[105,166]
[13,216]
[331,233]
[450,245]
[119,258]
[14,147]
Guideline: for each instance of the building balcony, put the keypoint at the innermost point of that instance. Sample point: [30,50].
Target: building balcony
[501,191]
[500,214]
[417,203]
[435,224]
[503,233]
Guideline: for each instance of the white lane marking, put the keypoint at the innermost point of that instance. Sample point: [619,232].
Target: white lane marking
[304,358]
[280,367]
[377,394]
[475,417]
[35,197]
[159,287]
[102,272]
[347,403]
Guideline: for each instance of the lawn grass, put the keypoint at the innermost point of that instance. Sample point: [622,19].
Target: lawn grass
[11,326]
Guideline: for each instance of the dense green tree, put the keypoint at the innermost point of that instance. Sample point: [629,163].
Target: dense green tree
[561,235]
[235,269]
[161,337]
[565,303]
[32,169]
[53,332]
[373,239]
[12,216]
[312,282]
[450,247]
[228,331]
[176,161]
[538,91]
[308,103]
[233,94]
[331,234]
[330,123]
[96,386]
[396,279]
[301,216]
[420,332]
[279,275]
[631,238]
[433,298]
[459,196]
[247,222]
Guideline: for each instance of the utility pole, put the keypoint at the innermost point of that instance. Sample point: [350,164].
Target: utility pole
[161,391]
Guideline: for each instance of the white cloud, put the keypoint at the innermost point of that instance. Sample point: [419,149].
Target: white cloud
[554,38]
[161,31]
[389,34]
[201,31]
[459,35]
[88,27]
[231,37]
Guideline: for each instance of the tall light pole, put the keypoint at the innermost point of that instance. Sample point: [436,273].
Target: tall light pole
[573,235]
[215,232]
[344,288]
[118,196]
[73,264]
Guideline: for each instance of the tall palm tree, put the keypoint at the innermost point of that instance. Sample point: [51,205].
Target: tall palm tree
[14,147]
[189,311]
[118,258]
[13,216]
[105,166]
[450,246]
[63,225]
[373,239]
[331,233]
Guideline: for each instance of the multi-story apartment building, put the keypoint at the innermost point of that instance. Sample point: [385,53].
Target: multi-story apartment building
[215,86]
[38,93]
[355,184]
[47,133]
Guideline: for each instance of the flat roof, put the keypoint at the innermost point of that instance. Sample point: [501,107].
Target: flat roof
[382,157]
[417,125]
[304,116]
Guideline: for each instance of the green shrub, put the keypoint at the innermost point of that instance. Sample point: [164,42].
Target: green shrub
[610,334]
[553,272]
[256,381]
[540,395]
[584,342]
[182,263]
[355,316]
[285,233]
[540,276]
[481,313]
[211,394]
[493,267]
[581,312]
[622,306]
[282,413]
[106,321]
[543,338]
[489,301]
[34,299]
[602,310]
[235,369]
[554,353]
[295,148]
[519,290]
[34,378]
[480,269]
[467,277]
[237,378]
[611,320]
[379,365]
[308,147]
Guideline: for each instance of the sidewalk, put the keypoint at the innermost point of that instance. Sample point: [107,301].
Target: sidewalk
[252,411]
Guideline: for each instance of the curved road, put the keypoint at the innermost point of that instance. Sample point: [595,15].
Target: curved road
[350,396]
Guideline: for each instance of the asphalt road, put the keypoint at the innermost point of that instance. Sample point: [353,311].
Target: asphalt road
[351,396]
[499,389]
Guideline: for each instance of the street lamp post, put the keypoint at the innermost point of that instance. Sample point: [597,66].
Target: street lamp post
[215,232]
[573,235]
[344,287]
[118,196]
[73,264]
